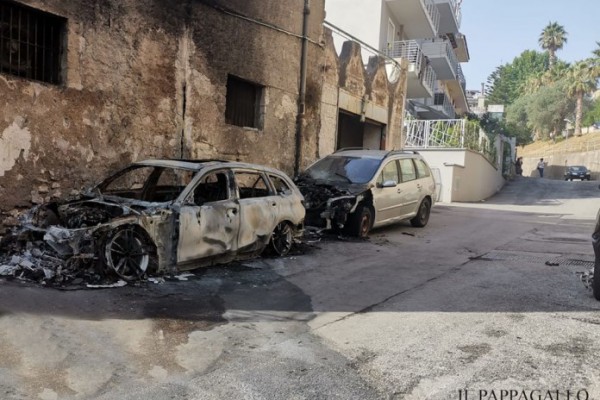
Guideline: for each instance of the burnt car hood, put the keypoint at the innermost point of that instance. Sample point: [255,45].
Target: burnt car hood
[83,213]
[318,192]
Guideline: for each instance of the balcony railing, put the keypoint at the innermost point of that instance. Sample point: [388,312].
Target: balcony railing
[448,134]
[456,10]
[440,49]
[433,12]
[461,78]
[408,50]
[429,78]
[445,105]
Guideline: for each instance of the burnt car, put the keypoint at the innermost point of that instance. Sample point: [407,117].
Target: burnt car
[161,216]
[596,245]
[355,190]
[577,172]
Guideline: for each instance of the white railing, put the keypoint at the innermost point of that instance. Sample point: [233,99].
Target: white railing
[411,51]
[461,78]
[456,10]
[433,12]
[439,49]
[429,79]
[448,134]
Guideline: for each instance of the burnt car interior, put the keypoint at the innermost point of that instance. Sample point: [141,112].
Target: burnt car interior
[211,188]
[144,183]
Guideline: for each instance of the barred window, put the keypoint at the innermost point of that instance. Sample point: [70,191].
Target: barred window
[243,103]
[31,43]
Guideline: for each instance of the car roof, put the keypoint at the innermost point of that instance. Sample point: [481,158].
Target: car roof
[375,154]
[197,165]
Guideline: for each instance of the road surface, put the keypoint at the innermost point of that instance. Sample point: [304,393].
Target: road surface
[486,298]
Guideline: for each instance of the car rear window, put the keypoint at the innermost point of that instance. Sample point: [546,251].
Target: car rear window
[422,169]
[407,169]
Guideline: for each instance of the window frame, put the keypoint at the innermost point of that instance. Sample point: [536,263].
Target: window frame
[233,102]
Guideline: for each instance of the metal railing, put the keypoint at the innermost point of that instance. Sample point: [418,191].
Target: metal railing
[456,10]
[433,12]
[461,78]
[411,51]
[439,49]
[448,134]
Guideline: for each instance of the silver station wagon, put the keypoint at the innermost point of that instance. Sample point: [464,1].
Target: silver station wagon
[357,190]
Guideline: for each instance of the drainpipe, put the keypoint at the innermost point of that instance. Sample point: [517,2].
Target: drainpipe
[302,95]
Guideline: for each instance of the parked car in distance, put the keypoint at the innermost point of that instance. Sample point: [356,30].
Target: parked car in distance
[355,190]
[577,172]
[170,215]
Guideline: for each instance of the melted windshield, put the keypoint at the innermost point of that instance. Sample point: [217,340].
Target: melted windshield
[344,169]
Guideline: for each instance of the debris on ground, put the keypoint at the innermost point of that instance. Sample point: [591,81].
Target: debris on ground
[587,277]
[552,264]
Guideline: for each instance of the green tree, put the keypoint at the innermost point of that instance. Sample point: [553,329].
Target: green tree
[508,81]
[547,109]
[553,38]
[580,81]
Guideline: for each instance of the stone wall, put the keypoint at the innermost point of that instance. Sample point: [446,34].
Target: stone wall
[146,79]
[556,162]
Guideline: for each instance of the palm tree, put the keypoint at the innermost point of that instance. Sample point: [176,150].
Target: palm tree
[581,80]
[553,38]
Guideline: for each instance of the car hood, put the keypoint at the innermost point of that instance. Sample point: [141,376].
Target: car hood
[84,213]
[318,192]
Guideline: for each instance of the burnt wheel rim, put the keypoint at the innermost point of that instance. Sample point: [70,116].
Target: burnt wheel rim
[282,239]
[365,225]
[127,255]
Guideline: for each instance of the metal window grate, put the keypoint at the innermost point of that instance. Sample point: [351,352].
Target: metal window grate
[30,43]
[242,103]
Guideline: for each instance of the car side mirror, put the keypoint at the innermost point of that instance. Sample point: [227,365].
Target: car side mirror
[389,184]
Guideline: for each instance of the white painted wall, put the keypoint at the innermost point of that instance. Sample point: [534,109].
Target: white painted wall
[466,175]
[360,18]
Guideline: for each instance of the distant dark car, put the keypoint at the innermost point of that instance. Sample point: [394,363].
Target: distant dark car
[596,244]
[577,172]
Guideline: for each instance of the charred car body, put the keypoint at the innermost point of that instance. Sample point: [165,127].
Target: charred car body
[160,216]
[355,190]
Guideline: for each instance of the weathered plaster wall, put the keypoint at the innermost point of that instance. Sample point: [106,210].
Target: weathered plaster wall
[351,86]
[147,78]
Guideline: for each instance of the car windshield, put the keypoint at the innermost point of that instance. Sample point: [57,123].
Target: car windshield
[147,183]
[578,168]
[344,169]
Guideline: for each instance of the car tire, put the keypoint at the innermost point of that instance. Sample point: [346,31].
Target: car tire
[282,240]
[360,222]
[422,217]
[127,254]
[596,282]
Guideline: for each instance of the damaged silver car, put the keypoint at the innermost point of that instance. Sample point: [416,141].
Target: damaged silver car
[163,216]
[355,190]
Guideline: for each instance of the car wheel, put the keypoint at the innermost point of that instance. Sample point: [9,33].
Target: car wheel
[566,179]
[127,254]
[360,222]
[282,239]
[422,217]
[596,282]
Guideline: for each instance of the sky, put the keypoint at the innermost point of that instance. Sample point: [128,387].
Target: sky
[497,31]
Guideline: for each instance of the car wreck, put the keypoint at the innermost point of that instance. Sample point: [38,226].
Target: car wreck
[157,217]
[355,190]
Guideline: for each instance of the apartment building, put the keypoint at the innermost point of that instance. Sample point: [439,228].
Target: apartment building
[427,34]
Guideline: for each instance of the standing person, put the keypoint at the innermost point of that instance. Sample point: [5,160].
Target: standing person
[519,166]
[540,167]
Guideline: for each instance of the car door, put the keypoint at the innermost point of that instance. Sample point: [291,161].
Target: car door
[408,188]
[387,200]
[209,219]
[258,210]
[425,182]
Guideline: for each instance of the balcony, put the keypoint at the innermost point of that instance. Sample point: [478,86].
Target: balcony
[419,18]
[442,58]
[450,16]
[421,76]
[461,49]
[438,107]
[457,90]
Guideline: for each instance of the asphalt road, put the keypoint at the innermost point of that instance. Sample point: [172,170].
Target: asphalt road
[486,298]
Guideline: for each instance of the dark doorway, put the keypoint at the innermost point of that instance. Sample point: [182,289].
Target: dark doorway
[352,132]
